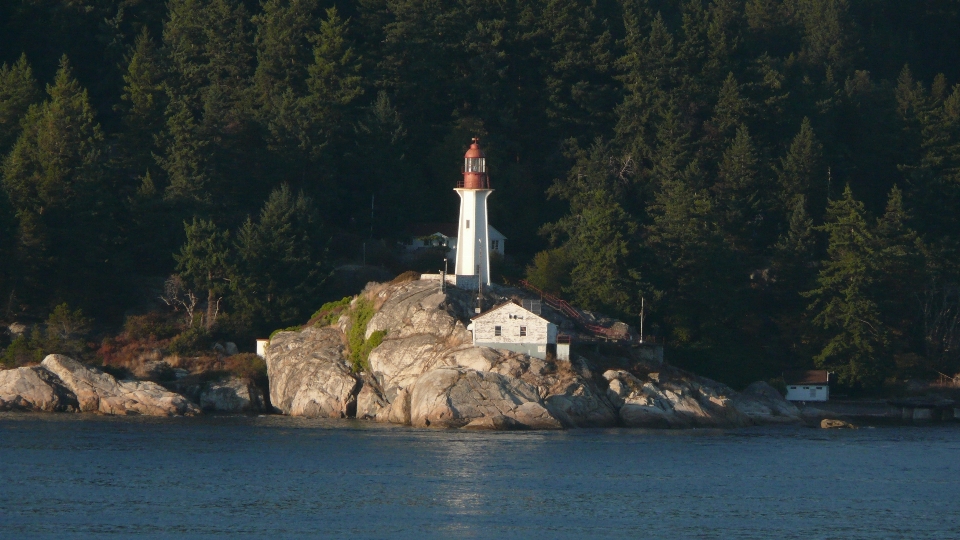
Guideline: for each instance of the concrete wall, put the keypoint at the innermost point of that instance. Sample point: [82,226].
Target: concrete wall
[529,349]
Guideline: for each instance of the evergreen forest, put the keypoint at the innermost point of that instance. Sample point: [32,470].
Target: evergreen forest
[777,181]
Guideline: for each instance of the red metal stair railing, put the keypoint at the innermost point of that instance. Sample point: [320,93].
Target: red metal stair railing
[564,307]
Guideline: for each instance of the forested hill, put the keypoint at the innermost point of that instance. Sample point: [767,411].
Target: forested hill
[778,180]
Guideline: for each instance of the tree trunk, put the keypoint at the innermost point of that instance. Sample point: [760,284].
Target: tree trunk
[212,308]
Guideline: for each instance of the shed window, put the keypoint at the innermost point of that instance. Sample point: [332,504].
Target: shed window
[495,245]
[496,330]
[523,330]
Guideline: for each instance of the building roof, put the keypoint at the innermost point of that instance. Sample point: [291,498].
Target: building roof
[449,230]
[429,229]
[815,376]
[504,304]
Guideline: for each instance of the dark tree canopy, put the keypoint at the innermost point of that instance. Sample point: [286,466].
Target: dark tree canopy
[779,181]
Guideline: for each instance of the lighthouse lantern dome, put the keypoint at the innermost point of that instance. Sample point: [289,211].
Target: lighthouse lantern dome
[475,168]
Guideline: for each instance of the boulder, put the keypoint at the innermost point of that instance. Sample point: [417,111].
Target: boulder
[497,423]
[763,404]
[454,397]
[232,395]
[670,398]
[398,410]
[370,399]
[830,423]
[97,391]
[34,389]
[309,375]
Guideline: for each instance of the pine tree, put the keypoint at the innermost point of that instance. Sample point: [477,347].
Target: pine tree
[844,306]
[281,262]
[800,172]
[730,111]
[185,158]
[739,189]
[204,264]
[144,101]
[18,90]
[53,177]
[285,31]
[333,82]
[901,268]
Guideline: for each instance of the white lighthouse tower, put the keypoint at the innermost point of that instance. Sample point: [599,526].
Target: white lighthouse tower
[473,234]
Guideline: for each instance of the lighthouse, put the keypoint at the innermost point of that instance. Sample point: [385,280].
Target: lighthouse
[473,232]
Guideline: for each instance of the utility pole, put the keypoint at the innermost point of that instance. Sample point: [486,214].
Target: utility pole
[372,199]
[641,319]
[443,276]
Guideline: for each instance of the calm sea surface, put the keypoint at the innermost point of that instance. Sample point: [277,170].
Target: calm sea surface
[275,477]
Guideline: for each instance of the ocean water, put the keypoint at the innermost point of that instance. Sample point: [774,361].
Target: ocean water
[85,476]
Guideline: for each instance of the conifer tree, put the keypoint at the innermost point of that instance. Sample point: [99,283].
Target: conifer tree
[739,190]
[901,270]
[185,158]
[53,177]
[144,101]
[730,111]
[280,262]
[800,171]
[334,79]
[204,264]
[844,307]
[18,91]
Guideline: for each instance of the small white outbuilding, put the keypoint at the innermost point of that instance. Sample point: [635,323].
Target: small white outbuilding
[813,385]
[512,327]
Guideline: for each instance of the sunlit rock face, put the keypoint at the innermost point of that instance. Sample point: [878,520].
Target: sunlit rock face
[427,373]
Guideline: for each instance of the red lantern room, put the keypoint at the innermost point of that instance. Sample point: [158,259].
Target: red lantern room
[475,168]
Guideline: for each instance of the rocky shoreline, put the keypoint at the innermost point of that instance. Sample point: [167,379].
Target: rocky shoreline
[62,384]
[425,372]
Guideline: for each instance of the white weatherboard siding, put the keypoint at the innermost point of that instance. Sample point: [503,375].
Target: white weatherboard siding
[808,392]
[473,238]
[511,318]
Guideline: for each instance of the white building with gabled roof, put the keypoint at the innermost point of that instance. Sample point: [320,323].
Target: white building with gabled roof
[512,327]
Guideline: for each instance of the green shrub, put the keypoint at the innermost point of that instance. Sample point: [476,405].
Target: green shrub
[250,366]
[295,328]
[360,347]
[23,350]
[194,340]
[330,312]
[152,325]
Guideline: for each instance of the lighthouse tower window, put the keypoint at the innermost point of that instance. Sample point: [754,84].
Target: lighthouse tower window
[468,223]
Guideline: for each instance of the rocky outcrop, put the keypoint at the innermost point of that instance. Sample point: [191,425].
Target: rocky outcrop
[97,391]
[426,372]
[34,389]
[423,333]
[763,404]
[309,375]
[455,397]
[232,395]
[675,399]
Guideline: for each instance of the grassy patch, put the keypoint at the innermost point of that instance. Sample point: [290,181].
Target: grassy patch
[330,312]
[360,347]
[295,328]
